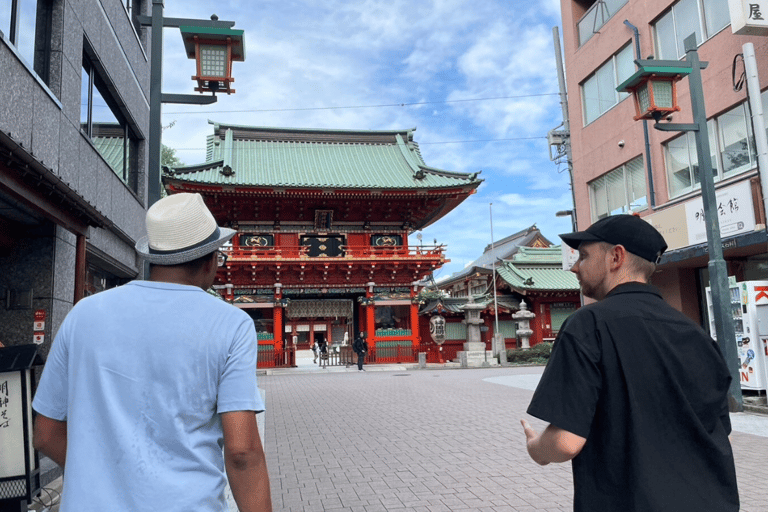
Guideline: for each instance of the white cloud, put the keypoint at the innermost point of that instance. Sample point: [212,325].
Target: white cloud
[304,54]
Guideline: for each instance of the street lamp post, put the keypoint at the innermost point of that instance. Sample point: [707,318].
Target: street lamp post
[209,30]
[658,106]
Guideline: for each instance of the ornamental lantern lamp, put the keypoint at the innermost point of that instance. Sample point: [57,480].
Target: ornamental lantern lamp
[214,50]
[654,88]
[19,464]
[437,329]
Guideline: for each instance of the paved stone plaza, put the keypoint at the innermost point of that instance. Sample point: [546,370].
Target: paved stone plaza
[430,440]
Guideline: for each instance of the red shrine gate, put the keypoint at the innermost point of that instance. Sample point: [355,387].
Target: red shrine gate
[323,218]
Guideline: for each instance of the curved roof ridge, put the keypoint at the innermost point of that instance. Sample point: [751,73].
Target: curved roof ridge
[218,126]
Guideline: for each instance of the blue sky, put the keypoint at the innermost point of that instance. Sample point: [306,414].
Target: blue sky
[477,78]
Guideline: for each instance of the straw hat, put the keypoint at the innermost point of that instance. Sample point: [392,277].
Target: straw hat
[180,228]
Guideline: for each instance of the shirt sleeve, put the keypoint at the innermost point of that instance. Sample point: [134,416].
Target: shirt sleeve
[569,389]
[238,389]
[52,393]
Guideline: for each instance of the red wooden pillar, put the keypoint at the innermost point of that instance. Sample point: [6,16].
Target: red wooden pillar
[370,319]
[416,338]
[277,314]
[80,272]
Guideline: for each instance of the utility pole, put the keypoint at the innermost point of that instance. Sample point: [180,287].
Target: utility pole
[561,139]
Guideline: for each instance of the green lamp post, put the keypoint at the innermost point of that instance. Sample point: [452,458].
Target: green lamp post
[654,89]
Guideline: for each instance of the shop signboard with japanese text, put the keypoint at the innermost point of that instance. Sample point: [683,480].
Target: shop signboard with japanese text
[749,17]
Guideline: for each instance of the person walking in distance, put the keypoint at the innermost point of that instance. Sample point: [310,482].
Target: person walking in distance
[360,346]
[635,393]
[146,382]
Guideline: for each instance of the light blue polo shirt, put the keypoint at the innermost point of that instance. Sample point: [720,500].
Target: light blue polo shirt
[140,374]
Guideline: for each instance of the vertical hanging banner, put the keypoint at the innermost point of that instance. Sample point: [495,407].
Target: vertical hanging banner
[39,327]
[749,17]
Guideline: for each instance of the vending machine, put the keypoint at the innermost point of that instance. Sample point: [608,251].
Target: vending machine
[749,307]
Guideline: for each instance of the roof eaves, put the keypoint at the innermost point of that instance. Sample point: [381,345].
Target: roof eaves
[190,169]
[450,174]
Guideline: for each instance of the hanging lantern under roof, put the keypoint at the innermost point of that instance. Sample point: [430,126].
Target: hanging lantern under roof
[214,50]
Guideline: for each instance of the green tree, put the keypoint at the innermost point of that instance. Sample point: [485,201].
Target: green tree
[168,158]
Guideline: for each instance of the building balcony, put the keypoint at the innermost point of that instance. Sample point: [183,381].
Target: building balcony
[300,253]
[350,266]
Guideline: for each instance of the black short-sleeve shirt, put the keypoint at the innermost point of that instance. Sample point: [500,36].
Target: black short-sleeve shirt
[647,388]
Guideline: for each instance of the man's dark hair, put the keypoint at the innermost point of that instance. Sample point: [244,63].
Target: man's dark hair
[191,266]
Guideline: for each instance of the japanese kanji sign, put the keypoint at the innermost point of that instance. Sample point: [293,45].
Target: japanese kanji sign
[749,17]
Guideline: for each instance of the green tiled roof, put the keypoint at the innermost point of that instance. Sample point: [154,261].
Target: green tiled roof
[347,159]
[534,268]
[538,255]
[538,277]
[454,304]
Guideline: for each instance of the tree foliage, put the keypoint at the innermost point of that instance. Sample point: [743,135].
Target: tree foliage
[168,158]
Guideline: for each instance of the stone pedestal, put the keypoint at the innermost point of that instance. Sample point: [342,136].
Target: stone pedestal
[474,349]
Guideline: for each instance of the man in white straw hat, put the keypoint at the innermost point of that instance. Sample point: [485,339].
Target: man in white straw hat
[146,382]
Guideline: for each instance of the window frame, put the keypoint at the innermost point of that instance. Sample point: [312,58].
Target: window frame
[131,142]
[595,78]
[39,61]
[717,150]
[702,31]
[596,194]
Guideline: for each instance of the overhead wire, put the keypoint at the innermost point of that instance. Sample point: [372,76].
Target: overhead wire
[382,105]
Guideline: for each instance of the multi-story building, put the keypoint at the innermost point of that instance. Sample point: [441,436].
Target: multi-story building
[73,123]
[617,168]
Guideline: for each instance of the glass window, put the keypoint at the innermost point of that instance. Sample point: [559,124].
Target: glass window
[622,190]
[701,17]
[638,199]
[606,95]
[666,48]
[596,16]
[591,100]
[104,124]
[686,23]
[736,138]
[679,166]
[716,15]
[599,91]
[731,145]
[28,29]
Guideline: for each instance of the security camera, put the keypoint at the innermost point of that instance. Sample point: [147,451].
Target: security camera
[621,143]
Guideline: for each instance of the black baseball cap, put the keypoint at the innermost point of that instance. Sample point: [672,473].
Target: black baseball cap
[636,235]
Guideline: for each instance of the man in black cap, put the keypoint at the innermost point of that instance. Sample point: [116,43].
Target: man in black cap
[635,393]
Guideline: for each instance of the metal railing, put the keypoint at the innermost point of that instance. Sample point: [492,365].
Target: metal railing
[301,252]
[269,357]
[596,16]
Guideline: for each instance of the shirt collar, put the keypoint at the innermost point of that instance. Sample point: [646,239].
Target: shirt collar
[634,287]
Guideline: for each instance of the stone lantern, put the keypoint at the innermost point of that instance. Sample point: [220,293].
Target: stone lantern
[523,318]
[474,349]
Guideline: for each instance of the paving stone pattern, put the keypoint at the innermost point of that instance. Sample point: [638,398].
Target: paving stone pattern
[424,440]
